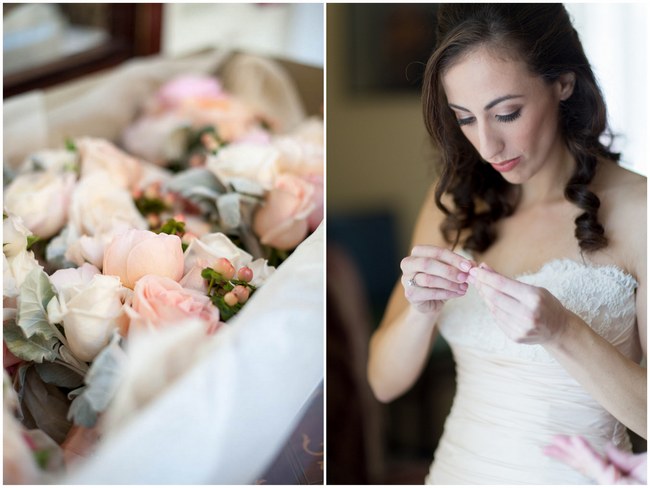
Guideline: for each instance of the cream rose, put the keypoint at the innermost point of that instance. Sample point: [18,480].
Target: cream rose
[41,199]
[90,312]
[14,236]
[101,155]
[98,204]
[160,301]
[137,253]
[15,271]
[282,222]
[247,161]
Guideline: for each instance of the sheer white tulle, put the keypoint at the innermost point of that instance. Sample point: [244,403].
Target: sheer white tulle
[512,399]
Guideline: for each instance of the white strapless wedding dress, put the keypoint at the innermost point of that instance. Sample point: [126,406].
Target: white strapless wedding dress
[511,399]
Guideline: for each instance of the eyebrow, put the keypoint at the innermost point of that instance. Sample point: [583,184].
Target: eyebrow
[494,102]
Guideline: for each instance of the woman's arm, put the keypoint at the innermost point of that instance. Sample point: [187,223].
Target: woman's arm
[400,346]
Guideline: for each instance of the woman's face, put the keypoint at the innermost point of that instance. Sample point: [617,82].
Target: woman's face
[508,114]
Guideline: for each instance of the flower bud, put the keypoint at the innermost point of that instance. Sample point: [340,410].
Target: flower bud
[245,274]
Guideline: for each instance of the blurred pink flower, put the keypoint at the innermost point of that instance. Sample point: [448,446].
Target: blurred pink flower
[613,467]
[137,253]
[175,92]
[160,301]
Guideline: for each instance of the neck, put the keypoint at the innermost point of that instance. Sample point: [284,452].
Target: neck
[547,185]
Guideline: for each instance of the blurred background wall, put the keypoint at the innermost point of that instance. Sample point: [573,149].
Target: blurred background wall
[379,166]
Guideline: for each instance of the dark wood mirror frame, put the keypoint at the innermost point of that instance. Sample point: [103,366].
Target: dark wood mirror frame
[135,30]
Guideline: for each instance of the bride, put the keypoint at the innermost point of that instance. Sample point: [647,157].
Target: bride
[529,254]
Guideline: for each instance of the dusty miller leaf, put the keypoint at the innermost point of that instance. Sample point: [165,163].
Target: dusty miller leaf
[102,382]
[35,293]
[36,348]
[59,375]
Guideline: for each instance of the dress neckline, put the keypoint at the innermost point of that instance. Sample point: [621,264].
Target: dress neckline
[614,268]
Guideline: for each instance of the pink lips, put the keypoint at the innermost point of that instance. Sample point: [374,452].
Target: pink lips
[505,166]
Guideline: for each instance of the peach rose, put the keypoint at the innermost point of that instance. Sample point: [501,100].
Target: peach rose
[282,222]
[137,253]
[42,200]
[160,301]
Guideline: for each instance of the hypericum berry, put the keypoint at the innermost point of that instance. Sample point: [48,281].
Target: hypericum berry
[225,268]
[242,293]
[245,274]
[179,217]
[230,298]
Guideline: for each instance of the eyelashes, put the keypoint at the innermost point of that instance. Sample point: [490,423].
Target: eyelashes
[510,117]
[501,118]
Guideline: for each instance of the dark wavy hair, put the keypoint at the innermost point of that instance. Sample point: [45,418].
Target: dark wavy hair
[543,37]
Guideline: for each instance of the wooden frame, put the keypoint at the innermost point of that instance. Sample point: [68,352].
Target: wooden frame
[134,29]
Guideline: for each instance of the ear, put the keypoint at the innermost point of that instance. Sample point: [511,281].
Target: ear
[565,83]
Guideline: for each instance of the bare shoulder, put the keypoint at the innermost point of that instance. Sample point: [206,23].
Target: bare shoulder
[622,191]
[623,196]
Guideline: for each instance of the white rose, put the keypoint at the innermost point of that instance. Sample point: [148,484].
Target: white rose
[14,236]
[302,152]
[53,160]
[204,252]
[98,205]
[248,161]
[15,270]
[101,155]
[90,313]
[41,200]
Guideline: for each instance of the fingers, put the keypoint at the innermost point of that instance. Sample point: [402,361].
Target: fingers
[484,276]
[626,461]
[443,255]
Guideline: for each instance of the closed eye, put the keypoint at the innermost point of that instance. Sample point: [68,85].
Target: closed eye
[465,121]
[509,117]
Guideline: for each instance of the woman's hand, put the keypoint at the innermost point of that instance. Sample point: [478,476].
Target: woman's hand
[527,314]
[615,467]
[431,275]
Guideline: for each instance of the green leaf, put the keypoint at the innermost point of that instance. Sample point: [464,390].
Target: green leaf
[36,348]
[70,145]
[102,380]
[45,407]
[59,375]
[31,240]
[172,227]
[35,293]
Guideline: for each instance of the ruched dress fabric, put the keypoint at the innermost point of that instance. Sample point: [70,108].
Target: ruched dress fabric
[511,398]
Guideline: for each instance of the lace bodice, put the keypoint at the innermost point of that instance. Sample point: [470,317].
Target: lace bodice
[603,296]
[511,399]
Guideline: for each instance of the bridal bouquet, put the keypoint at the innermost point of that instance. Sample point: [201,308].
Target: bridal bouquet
[106,247]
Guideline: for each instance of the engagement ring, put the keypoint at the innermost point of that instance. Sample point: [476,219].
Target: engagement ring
[411,282]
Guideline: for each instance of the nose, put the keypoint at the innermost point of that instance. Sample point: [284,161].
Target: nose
[490,143]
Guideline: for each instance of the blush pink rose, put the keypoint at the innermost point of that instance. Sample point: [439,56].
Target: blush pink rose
[316,216]
[282,221]
[176,91]
[160,301]
[137,253]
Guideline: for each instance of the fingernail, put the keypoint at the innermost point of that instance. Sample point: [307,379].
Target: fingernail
[462,276]
[463,286]
[465,266]
[473,271]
